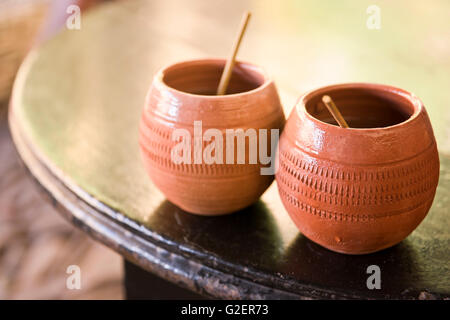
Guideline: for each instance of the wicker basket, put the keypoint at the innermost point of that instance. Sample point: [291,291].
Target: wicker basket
[19,22]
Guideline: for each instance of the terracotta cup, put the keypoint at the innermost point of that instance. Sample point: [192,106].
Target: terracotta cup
[365,188]
[181,96]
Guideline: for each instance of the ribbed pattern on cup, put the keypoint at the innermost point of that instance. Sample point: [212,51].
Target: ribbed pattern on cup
[332,191]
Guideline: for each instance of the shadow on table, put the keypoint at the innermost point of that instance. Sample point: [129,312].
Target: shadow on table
[249,237]
[310,263]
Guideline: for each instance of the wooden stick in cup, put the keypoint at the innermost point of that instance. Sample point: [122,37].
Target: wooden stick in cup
[226,75]
[334,111]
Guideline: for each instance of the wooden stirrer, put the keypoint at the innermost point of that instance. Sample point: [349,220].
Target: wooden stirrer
[226,75]
[334,111]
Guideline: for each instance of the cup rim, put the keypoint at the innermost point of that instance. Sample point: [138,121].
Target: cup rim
[159,78]
[414,101]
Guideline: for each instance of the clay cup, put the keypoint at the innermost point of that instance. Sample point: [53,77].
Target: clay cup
[181,97]
[365,188]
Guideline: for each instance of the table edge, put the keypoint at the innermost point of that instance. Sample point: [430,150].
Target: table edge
[152,256]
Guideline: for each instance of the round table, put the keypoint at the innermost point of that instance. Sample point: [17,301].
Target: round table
[74,119]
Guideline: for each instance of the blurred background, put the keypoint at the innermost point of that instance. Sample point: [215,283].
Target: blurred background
[36,244]
[302,43]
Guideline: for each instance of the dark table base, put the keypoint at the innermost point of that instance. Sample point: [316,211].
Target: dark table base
[143,285]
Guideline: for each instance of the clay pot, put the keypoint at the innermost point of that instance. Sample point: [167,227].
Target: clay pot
[184,93]
[362,189]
